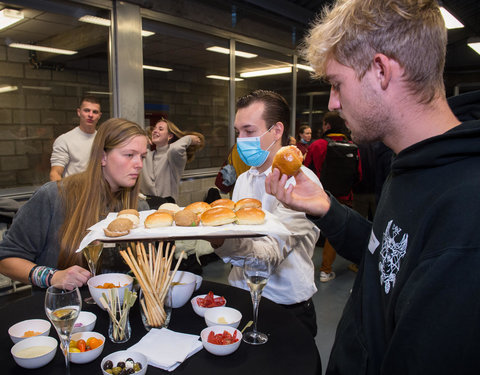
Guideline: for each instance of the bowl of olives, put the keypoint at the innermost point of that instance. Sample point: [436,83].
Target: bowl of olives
[124,362]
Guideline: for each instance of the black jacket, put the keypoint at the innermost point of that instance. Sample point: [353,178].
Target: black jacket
[415,304]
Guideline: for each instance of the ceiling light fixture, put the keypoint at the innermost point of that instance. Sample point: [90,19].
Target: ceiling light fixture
[7,88]
[226,51]
[40,88]
[223,78]
[34,47]
[305,67]
[475,46]
[99,92]
[450,21]
[106,22]
[266,72]
[158,68]
[9,17]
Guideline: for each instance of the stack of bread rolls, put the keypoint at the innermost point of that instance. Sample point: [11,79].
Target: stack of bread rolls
[125,220]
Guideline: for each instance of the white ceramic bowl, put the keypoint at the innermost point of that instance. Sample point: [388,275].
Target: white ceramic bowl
[38,361]
[201,310]
[87,356]
[122,356]
[198,281]
[220,349]
[17,331]
[122,279]
[85,322]
[182,291]
[223,316]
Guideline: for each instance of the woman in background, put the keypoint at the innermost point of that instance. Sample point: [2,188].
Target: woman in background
[304,138]
[171,150]
[39,248]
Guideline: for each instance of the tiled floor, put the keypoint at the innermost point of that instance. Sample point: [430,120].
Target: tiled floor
[329,300]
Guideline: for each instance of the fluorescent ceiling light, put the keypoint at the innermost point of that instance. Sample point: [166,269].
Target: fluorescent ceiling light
[475,46]
[33,47]
[305,67]
[266,72]
[159,68]
[8,88]
[226,51]
[450,21]
[40,88]
[223,78]
[99,92]
[106,22]
[9,17]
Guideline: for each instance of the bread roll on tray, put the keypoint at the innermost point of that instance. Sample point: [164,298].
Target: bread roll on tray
[132,215]
[218,216]
[288,160]
[198,207]
[247,202]
[119,227]
[186,218]
[250,216]
[223,203]
[158,219]
[172,207]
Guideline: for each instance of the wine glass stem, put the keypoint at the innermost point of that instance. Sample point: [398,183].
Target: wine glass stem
[255,301]
[66,353]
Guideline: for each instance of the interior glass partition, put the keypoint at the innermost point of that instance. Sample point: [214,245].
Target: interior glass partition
[40,90]
[186,82]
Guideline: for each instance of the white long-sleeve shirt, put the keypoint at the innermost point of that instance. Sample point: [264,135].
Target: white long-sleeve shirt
[293,281]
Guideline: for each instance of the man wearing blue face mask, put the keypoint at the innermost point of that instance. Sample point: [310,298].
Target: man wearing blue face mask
[262,122]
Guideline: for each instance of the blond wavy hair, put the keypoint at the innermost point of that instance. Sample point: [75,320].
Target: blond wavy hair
[87,196]
[176,133]
[412,32]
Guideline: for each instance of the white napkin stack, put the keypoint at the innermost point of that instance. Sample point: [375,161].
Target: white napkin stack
[167,349]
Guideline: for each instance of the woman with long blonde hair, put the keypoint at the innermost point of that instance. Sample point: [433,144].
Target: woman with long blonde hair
[171,150]
[39,248]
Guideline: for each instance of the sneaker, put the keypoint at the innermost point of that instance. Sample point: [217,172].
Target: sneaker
[325,277]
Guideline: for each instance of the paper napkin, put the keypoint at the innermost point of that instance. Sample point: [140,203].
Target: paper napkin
[167,349]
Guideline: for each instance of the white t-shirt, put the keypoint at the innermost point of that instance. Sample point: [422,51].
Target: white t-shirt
[71,151]
[293,281]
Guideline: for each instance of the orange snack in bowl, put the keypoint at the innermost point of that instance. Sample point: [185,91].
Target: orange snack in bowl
[31,333]
[109,286]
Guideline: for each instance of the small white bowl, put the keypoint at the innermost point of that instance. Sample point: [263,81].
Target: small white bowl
[85,322]
[182,291]
[87,356]
[198,282]
[122,356]
[220,349]
[17,331]
[223,316]
[201,310]
[37,361]
[122,279]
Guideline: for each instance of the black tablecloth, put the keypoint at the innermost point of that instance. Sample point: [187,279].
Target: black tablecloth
[289,350]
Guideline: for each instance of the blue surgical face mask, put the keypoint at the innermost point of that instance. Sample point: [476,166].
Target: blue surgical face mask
[251,152]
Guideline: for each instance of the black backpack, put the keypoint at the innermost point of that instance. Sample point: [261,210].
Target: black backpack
[340,169]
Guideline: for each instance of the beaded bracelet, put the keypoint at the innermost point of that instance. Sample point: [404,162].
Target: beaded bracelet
[41,276]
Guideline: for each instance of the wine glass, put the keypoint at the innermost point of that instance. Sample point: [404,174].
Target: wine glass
[256,271]
[62,306]
[92,254]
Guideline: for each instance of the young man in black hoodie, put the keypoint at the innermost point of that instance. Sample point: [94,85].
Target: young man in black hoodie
[414,308]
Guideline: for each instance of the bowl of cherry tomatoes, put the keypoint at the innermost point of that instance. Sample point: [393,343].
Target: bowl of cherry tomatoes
[221,340]
[203,302]
[86,346]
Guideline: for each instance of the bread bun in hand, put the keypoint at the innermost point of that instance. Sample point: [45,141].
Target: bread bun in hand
[119,227]
[218,216]
[198,207]
[247,202]
[186,218]
[223,203]
[288,160]
[158,219]
[250,216]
